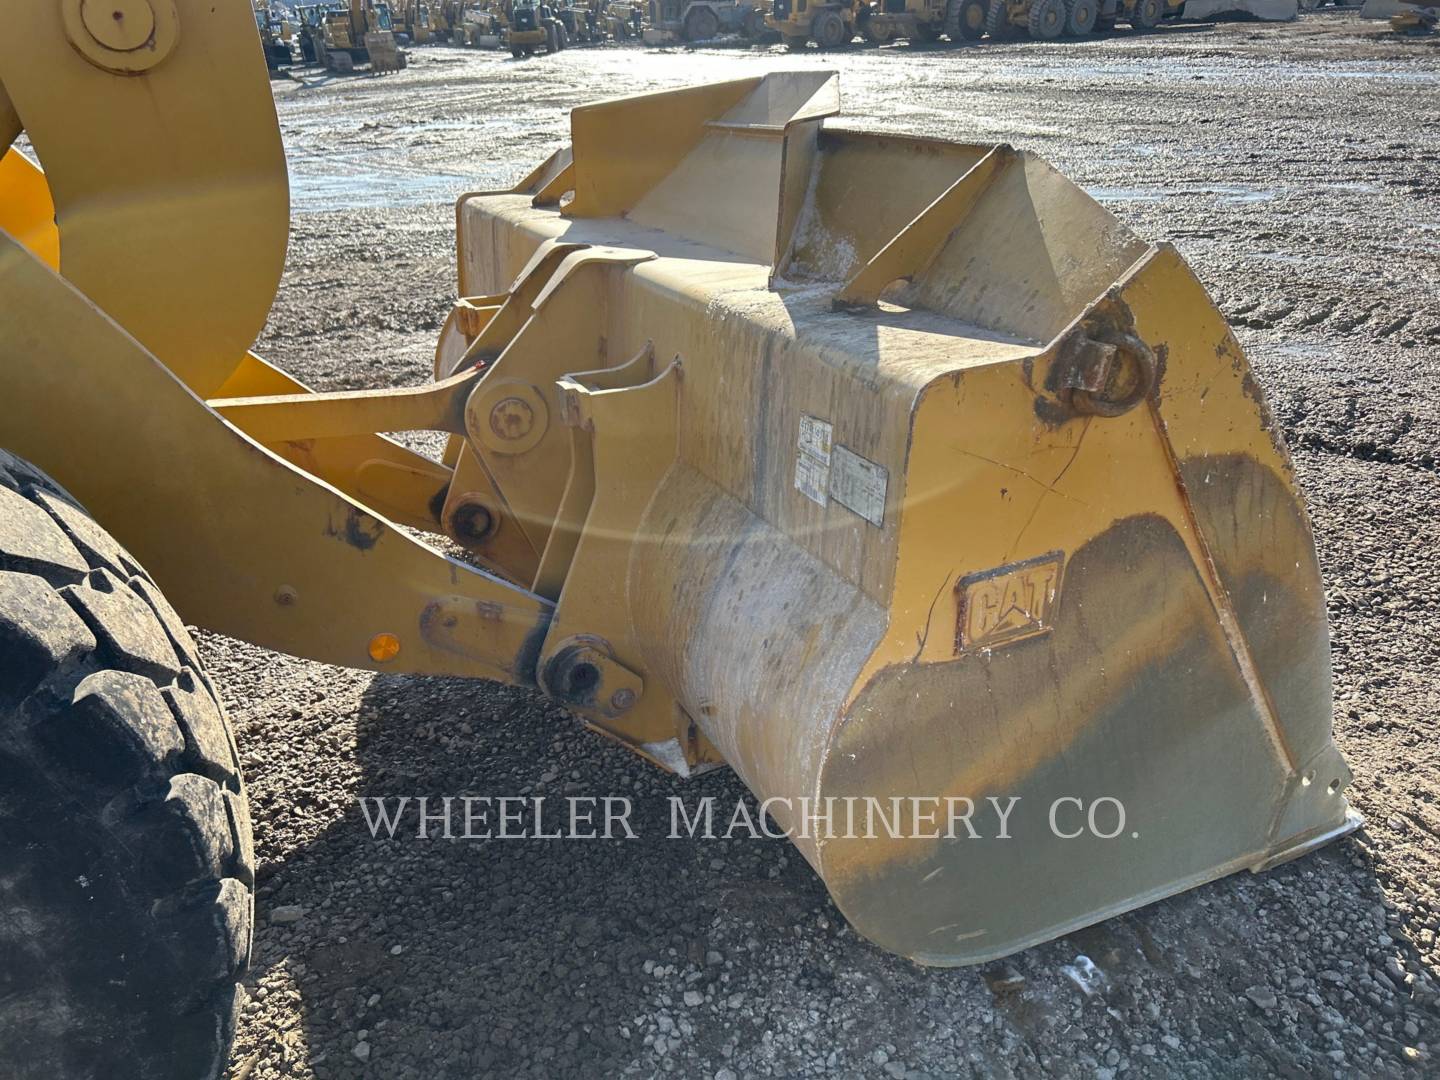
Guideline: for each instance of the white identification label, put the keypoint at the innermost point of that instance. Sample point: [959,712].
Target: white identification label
[858,484]
[815,438]
[812,460]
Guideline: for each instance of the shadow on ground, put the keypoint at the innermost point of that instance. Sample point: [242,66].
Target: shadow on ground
[553,958]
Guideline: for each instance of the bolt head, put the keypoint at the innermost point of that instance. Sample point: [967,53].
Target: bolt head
[512,418]
[472,522]
[622,699]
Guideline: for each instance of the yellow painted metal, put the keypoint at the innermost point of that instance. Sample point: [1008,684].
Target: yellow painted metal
[914,247]
[201,240]
[395,481]
[169,192]
[27,212]
[968,496]
[272,418]
[878,468]
[622,149]
[415,18]
[125,37]
[797,24]
[240,540]
[921,20]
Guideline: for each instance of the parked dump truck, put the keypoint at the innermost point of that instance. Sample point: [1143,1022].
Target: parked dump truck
[1048,19]
[770,445]
[702,20]
[922,20]
[829,25]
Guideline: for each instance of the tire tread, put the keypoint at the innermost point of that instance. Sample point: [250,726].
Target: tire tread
[109,727]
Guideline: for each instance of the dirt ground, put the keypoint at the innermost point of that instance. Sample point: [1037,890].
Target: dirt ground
[1297,167]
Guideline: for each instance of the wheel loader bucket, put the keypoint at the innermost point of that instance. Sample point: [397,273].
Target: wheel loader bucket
[909,482]
[894,473]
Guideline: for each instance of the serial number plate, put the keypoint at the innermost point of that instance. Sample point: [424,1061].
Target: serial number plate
[858,484]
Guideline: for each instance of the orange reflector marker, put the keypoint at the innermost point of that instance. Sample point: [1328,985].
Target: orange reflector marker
[384,647]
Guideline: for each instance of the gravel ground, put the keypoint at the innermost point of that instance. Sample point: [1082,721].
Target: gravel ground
[1298,168]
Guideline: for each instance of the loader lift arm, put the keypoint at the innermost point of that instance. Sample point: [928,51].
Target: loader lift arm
[170,229]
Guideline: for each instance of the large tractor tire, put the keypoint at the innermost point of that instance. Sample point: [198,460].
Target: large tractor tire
[126,863]
[701,24]
[965,20]
[877,31]
[1047,19]
[1080,17]
[1147,14]
[829,30]
[997,22]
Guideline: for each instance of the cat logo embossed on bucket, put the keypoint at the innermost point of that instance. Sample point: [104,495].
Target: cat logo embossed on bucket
[1007,604]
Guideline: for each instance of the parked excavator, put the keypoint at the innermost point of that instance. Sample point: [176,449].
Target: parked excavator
[882,470]
[412,23]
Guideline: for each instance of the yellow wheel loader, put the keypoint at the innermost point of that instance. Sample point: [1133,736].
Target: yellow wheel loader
[530,25]
[479,27]
[623,20]
[959,528]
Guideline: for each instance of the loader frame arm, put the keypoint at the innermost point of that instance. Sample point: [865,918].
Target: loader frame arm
[113,339]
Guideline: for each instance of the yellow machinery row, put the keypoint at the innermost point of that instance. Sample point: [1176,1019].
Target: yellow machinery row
[528,26]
